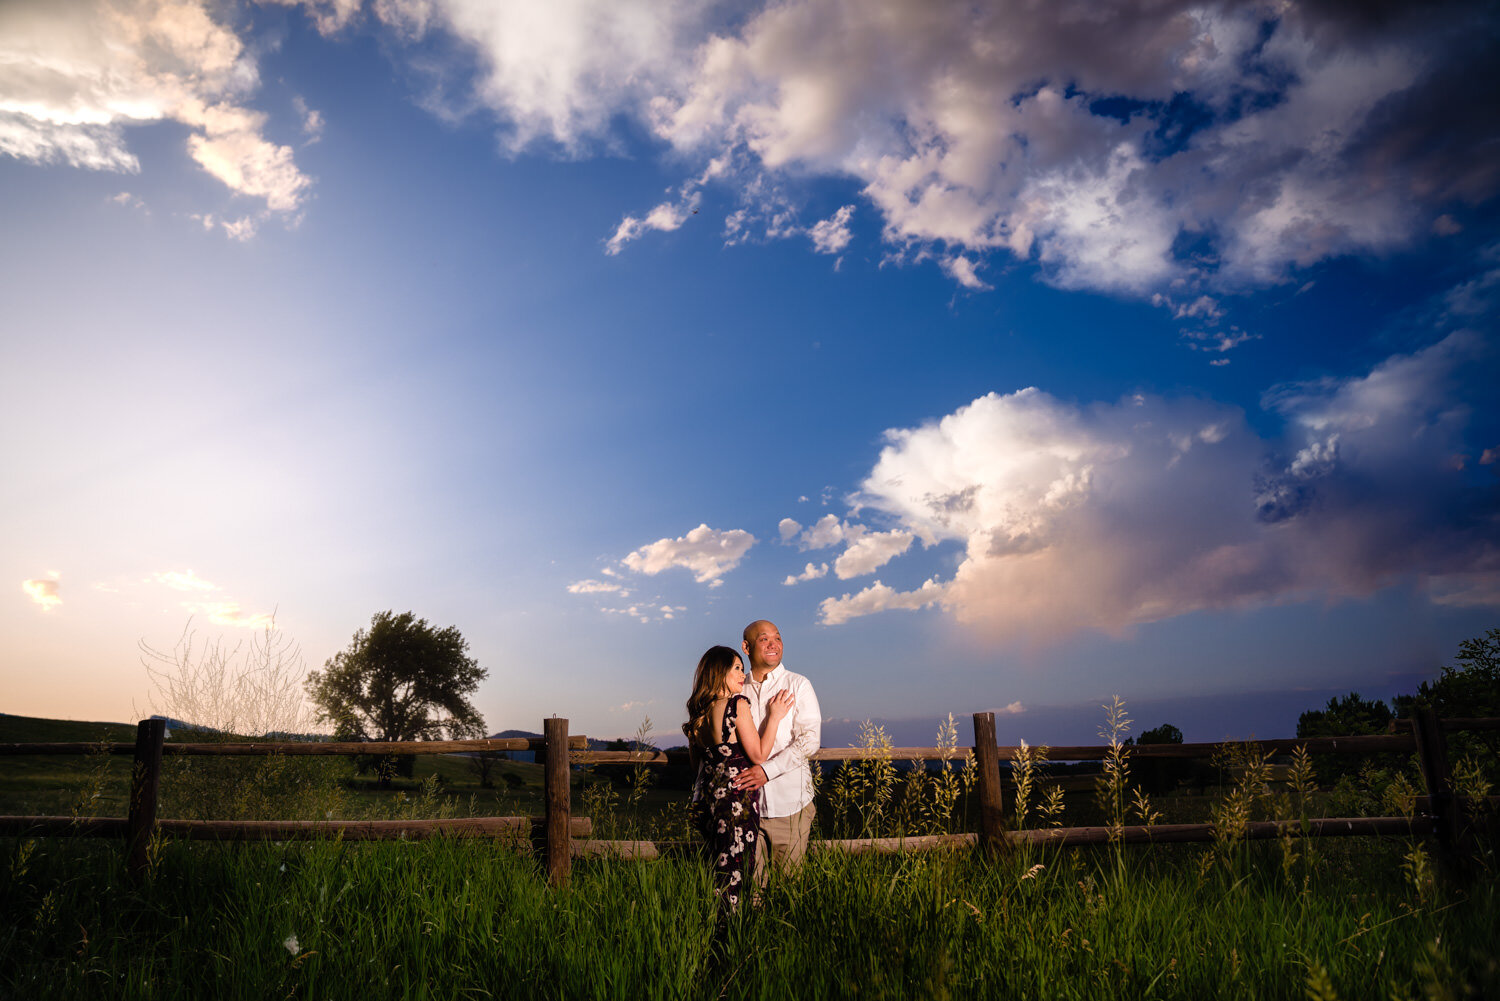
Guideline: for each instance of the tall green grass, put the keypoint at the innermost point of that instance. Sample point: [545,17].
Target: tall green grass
[1357,918]
[467,919]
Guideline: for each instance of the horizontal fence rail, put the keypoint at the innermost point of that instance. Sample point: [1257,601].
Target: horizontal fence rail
[1362,744]
[289,747]
[561,837]
[293,830]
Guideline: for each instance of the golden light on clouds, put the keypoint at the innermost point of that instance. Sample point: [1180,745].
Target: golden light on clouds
[44,590]
[229,613]
[183,580]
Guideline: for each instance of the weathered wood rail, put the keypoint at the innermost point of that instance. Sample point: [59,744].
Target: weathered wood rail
[560,837]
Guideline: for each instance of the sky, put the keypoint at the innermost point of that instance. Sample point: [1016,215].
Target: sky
[1008,356]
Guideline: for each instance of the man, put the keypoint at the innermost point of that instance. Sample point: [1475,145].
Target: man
[786,775]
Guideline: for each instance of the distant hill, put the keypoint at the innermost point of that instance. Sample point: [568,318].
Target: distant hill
[35,730]
[594,744]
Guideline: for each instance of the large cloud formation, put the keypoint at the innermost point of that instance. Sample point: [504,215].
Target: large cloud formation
[1127,147]
[74,74]
[1146,146]
[1116,514]
[1142,147]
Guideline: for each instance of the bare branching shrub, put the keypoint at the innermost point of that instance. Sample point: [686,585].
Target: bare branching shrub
[216,691]
[255,692]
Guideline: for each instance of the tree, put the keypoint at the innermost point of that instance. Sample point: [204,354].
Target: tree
[1344,717]
[1469,688]
[401,679]
[1164,734]
[1160,775]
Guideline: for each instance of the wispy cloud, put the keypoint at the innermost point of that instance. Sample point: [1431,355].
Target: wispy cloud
[221,610]
[597,587]
[229,613]
[649,613]
[183,580]
[964,271]
[312,120]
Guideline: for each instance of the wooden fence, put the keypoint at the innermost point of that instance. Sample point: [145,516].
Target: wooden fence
[559,836]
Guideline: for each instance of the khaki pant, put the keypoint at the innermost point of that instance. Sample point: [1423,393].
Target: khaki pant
[784,841]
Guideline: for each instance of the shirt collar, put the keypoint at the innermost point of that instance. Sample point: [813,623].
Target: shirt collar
[772,675]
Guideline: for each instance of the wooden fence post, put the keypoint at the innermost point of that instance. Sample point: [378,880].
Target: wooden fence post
[991,806]
[558,847]
[1432,756]
[145,781]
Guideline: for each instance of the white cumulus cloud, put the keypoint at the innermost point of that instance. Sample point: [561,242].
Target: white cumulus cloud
[869,551]
[810,572]
[1111,515]
[76,75]
[878,598]
[832,235]
[707,552]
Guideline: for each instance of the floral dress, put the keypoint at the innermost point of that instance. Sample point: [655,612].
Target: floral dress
[728,818]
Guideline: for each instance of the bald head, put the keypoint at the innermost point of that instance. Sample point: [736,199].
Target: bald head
[762,646]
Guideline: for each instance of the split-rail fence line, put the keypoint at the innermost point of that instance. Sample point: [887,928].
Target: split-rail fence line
[559,835]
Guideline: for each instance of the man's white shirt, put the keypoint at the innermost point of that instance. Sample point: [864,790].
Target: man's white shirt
[789,784]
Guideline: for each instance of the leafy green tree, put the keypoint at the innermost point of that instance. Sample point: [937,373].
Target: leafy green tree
[1164,734]
[1467,688]
[1160,775]
[1343,717]
[401,679]
[1470,687]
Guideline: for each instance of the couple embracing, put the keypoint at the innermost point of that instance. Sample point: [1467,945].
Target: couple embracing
[751,735]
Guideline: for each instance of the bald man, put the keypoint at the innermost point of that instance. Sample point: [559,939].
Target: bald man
[786,775]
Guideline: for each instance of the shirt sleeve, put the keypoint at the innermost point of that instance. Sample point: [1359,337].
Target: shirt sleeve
[807,733]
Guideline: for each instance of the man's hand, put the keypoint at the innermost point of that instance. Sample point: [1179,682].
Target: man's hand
[751,778]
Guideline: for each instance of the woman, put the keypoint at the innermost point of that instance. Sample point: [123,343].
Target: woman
[723,740]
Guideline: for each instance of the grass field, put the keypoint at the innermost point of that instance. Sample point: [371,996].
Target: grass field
[454,919]
[1354,918]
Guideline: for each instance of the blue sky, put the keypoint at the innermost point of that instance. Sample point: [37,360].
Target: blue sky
[1007,359]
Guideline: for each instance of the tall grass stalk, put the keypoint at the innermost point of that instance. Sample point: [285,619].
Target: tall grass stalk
[466,919]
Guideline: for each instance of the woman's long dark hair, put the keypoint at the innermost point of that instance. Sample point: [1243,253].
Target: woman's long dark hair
[708,685]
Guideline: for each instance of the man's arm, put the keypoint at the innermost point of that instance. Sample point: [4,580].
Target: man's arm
[807,734]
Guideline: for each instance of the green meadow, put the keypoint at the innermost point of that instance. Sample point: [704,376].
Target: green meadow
[447,918]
